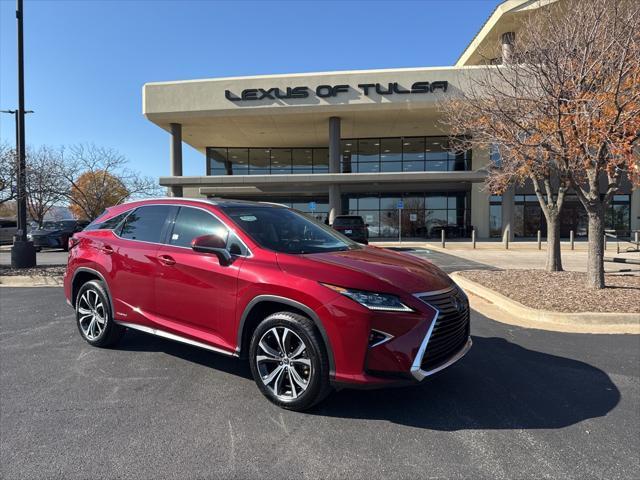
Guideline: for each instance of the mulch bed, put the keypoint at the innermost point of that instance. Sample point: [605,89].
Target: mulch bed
[562,291]
[44,271]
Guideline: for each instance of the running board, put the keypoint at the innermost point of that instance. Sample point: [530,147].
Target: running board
[177,338]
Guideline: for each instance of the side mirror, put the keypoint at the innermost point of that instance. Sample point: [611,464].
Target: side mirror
[366,225]
[213,244]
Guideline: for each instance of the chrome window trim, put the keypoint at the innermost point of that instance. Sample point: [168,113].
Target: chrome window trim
[416,369]
[177,338]
[250,255]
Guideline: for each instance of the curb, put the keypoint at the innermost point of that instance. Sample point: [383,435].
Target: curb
[30,281]
[519,314]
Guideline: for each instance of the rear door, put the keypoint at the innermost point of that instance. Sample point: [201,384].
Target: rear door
[132,251]
[195,295]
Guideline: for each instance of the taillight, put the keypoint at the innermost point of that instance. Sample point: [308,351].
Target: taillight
[73,241]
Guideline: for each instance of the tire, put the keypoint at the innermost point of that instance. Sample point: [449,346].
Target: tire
[300,379]
[93,299]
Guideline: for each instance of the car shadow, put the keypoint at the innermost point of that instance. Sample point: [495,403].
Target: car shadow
[134,341]
[498,385]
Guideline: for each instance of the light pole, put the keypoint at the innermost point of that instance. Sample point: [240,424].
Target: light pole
[23,254]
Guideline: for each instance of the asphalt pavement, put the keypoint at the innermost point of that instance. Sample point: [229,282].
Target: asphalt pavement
[522,404]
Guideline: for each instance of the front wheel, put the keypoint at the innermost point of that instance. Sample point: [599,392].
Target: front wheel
[289,361]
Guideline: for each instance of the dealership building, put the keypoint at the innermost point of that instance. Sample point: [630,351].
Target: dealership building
[368,143]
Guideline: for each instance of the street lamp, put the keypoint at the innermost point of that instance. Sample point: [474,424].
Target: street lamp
[23,255]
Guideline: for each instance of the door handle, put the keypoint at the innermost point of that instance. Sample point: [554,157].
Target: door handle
[167,260]
[108,249]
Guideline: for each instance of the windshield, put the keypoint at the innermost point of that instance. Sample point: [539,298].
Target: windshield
[287,231]
[348,222]
[58,225]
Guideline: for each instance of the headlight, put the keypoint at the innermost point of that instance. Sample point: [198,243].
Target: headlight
[373,301]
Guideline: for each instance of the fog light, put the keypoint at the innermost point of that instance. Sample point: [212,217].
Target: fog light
[376,337]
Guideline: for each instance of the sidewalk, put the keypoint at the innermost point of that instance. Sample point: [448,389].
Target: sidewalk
[521,255]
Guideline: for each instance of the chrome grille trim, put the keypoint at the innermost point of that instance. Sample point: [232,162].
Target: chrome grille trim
[416,367]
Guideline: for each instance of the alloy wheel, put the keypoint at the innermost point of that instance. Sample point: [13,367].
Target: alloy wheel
[283,363]
[91,314]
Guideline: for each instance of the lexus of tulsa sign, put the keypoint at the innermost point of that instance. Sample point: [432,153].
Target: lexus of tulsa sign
[326,91]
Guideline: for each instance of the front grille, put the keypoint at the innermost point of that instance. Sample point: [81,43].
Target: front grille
[451,330]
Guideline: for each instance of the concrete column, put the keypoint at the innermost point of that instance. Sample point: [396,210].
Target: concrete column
[175,153]
[480,210]
[635,210]
[507,213]
[335,203]
[507,40]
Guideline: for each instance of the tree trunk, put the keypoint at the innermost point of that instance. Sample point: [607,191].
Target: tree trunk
[595,259]
[554,257]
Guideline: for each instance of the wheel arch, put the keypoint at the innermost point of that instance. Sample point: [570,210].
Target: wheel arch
[264,305]
[83,275]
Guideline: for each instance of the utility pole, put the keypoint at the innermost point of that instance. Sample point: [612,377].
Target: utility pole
[23,254]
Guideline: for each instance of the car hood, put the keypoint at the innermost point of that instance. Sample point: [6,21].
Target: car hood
[368,268]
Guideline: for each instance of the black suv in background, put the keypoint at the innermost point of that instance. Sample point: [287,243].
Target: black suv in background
[56,234]
[352,226]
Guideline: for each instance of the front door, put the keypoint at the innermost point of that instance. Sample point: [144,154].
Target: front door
[195,295]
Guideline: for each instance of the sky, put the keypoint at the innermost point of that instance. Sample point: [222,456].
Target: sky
[86,60]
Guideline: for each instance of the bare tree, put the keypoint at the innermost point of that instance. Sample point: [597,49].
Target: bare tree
[98,177]
[8,189]
[565,112]
[45,181]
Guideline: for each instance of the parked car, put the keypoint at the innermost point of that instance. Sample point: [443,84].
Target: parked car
[308,307]
[352,226]
[55,234]
[8,228]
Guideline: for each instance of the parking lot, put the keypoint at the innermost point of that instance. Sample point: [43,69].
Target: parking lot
[522,404]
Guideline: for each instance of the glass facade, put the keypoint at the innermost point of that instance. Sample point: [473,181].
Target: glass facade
[402,154]
[266,161]
[424,215]
[365,155]
[528,217]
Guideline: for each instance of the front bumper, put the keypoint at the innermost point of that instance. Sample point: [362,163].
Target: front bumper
[420,343]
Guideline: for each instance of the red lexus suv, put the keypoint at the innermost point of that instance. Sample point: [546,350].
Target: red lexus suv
[311,309]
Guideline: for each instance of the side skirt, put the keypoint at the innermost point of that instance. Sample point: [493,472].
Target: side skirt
[177,338]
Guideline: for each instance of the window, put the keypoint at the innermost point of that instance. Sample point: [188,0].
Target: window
[259,161]
[287,231]
[193,222]
[280,160]
[302,159]
[146,224]
[109,224]
[239,160]
[217,159]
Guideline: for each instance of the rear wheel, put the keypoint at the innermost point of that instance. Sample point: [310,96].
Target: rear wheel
[94,316]
[289,361]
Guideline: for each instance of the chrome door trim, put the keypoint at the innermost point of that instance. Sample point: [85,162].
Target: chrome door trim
[177,338]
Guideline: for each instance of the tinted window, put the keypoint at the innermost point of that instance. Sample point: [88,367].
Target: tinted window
[193,222]
[287,231]
[146,223]
[108,224]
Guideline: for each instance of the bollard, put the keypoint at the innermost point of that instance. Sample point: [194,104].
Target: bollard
[636,236]
[539,240]
[605,241]
[442,232]
[571,238]
[473,238]
[506,242]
